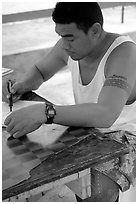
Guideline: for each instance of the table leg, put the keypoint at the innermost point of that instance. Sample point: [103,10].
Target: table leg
[82,186]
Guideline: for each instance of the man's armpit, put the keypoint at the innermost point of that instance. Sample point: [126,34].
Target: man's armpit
[118,81]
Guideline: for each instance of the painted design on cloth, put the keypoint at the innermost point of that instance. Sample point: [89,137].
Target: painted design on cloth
[122,169]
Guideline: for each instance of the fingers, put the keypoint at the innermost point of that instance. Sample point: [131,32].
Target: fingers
[13,127]
[16,97]
[7,120]
[14,90]
[18,134]
[15,130]
[9,128]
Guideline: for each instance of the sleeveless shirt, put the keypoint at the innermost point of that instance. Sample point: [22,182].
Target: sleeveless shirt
[90,93]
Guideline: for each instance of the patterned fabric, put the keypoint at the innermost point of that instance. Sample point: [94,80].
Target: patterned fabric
[122,170]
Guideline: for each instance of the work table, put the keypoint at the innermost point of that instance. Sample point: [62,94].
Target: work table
[77,150]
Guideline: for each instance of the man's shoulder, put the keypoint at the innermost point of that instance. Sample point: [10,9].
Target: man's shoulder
[122,57]
[124,46]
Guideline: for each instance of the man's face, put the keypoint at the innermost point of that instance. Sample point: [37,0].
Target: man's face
[76,42]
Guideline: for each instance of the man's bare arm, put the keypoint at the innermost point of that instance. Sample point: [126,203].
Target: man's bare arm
[102,114]
[55,60]
[113,96]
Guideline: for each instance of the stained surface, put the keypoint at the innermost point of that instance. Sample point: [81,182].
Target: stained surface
[71,150]
[21,155]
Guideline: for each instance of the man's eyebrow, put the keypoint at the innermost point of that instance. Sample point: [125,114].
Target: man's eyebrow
[65,36]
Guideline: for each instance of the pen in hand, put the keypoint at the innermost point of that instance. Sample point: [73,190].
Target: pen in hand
[9,86]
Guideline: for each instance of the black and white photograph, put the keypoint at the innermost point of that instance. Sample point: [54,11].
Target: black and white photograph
[68,101]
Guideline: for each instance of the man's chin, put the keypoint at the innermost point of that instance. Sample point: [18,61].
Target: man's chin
[75,57]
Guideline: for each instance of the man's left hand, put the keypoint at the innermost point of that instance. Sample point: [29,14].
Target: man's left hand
[25,120]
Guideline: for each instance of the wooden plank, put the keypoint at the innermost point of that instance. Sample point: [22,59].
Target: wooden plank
[115,4]
[40,189]
[28,15]
[69,161]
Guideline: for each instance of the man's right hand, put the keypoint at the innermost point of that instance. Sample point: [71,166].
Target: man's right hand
[17,90]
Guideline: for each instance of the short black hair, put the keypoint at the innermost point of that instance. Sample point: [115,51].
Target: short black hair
[84,14]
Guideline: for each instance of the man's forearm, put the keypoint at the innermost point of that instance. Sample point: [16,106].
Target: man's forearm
[84,115]
[32,79]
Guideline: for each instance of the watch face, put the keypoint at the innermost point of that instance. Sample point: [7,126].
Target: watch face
[51,113]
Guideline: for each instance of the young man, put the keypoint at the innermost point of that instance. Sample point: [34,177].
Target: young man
[103,78]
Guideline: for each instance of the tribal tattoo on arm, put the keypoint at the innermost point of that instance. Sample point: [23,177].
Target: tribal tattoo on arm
[118,81]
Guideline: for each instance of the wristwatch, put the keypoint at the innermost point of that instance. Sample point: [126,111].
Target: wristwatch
[50,112]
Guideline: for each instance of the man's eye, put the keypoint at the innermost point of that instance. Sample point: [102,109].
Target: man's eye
[70,40]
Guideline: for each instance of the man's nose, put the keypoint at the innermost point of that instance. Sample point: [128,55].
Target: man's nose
[65,44]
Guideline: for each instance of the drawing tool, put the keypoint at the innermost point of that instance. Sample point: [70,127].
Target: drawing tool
[9,86]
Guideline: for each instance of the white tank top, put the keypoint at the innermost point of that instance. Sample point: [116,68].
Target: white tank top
[90,93]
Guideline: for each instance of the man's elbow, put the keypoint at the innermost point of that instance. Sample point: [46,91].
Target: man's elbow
[108,123]
[106,120]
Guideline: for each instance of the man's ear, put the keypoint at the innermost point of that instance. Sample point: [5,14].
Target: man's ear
[96,30]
